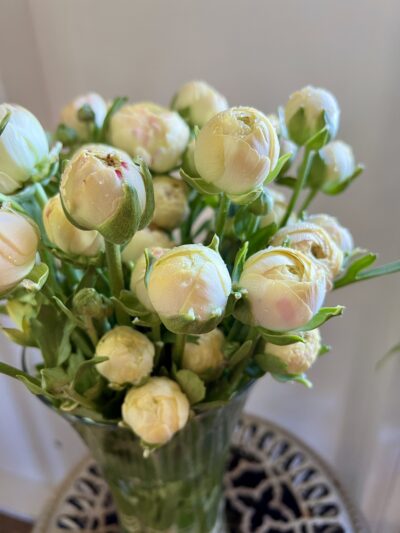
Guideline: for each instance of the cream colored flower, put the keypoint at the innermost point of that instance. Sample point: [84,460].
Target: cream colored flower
[298,357]
[137,284]
[278,210]
[308,111]
[145,238]
[97,188]
[189,288]
[130,356]
[338,233]
[65,235]
[156,411]
[147,130]
[313,240]
[171,204]
[23,147]
[70,114]
[333,164]
[19,240]
[205,356]
[285,289]
[236,150]
[198,102]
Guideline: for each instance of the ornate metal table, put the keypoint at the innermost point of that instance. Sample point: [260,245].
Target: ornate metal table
[274,483]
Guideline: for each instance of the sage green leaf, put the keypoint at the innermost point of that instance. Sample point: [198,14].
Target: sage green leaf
[325,348]
[354,267]
[68,313]
[240,354]
[342,186]
[87,378]
[36,278]
[260,239]
[270,363]
[54,380]
[246,198]
[33,385]
[191,385]
[48,331]
[384,270]
[114,107]
[297,378]
[208,406]
[317,141]
[240,260]
[324,314]
[199,184]
[280,164]
[281,339]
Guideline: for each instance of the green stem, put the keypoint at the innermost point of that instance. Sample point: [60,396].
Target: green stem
[222,213]
[309,198]
[116,278]
[179,348]
[40,195]
[389,268]
[235,330]
[301,181]
[81,343]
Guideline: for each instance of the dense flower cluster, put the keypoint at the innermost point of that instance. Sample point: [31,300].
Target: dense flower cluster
[153,241]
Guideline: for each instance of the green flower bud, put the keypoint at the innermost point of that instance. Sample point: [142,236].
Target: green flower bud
[156,410]
[189,288]
[89,303]
[130,356]
[102,189]
[65,235]
[308,111]
[236,150]
[156,134]
[332,165]
[197,102]
[23,147]
[82,112]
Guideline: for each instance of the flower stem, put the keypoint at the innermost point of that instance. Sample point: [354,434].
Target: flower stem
[116,278]
[301,180]
[179,348]
[222,213]
[309,198]
[40,195]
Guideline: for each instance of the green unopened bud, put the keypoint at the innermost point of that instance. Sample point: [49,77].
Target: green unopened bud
[66,135]
[308,111]
[332,165]
[86,113]
[89,303]
[82,112]
[263,204]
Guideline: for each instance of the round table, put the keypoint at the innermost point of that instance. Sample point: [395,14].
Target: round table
[274,483]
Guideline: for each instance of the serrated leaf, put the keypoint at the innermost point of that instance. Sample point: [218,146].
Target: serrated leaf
[191,385]
[280,164]
[323,315]
[281,339]
[240,354]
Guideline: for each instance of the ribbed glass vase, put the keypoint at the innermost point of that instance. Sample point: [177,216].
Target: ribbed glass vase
[178,488]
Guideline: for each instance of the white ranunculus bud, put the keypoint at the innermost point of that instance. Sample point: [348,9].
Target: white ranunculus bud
[23,147]
[171,203]
[145,238]
[198,102]
[337,232]
[19,240]
[278,210]
[308,111]
[130,356]
[313,240]
[236,150]
[189,288]
[137,284]
[298,357]
[102,189]
[156,134]
[205,357]
[156,410]
[82,112]
[332,165]
[65,235]
[285,289]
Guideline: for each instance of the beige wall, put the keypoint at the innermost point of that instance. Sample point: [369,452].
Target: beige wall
[256,52]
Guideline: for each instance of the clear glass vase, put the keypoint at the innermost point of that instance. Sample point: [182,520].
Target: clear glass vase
[178,488]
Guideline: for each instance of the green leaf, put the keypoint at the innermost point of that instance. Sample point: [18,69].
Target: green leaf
[297,378]
[259,240]
[214,244]
[208,406]
[87,379]
[36,278]
[246,198]
[240,354]
[48,329]
[54,380]
[33,385]
[19,337]
[354,268]
[325,348]
[280,164]
[191,385]
[342,186]
[384,270]
[240,260]
[281,339]
[324,314]
[68,313]
[114,107]
[317,141]
[199,184]
[4,122]
[270,363]
[149,189]
[286,181]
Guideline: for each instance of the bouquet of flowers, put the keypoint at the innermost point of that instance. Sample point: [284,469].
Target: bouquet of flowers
[145,253]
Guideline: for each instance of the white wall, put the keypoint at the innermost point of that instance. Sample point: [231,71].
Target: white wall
[255,52]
